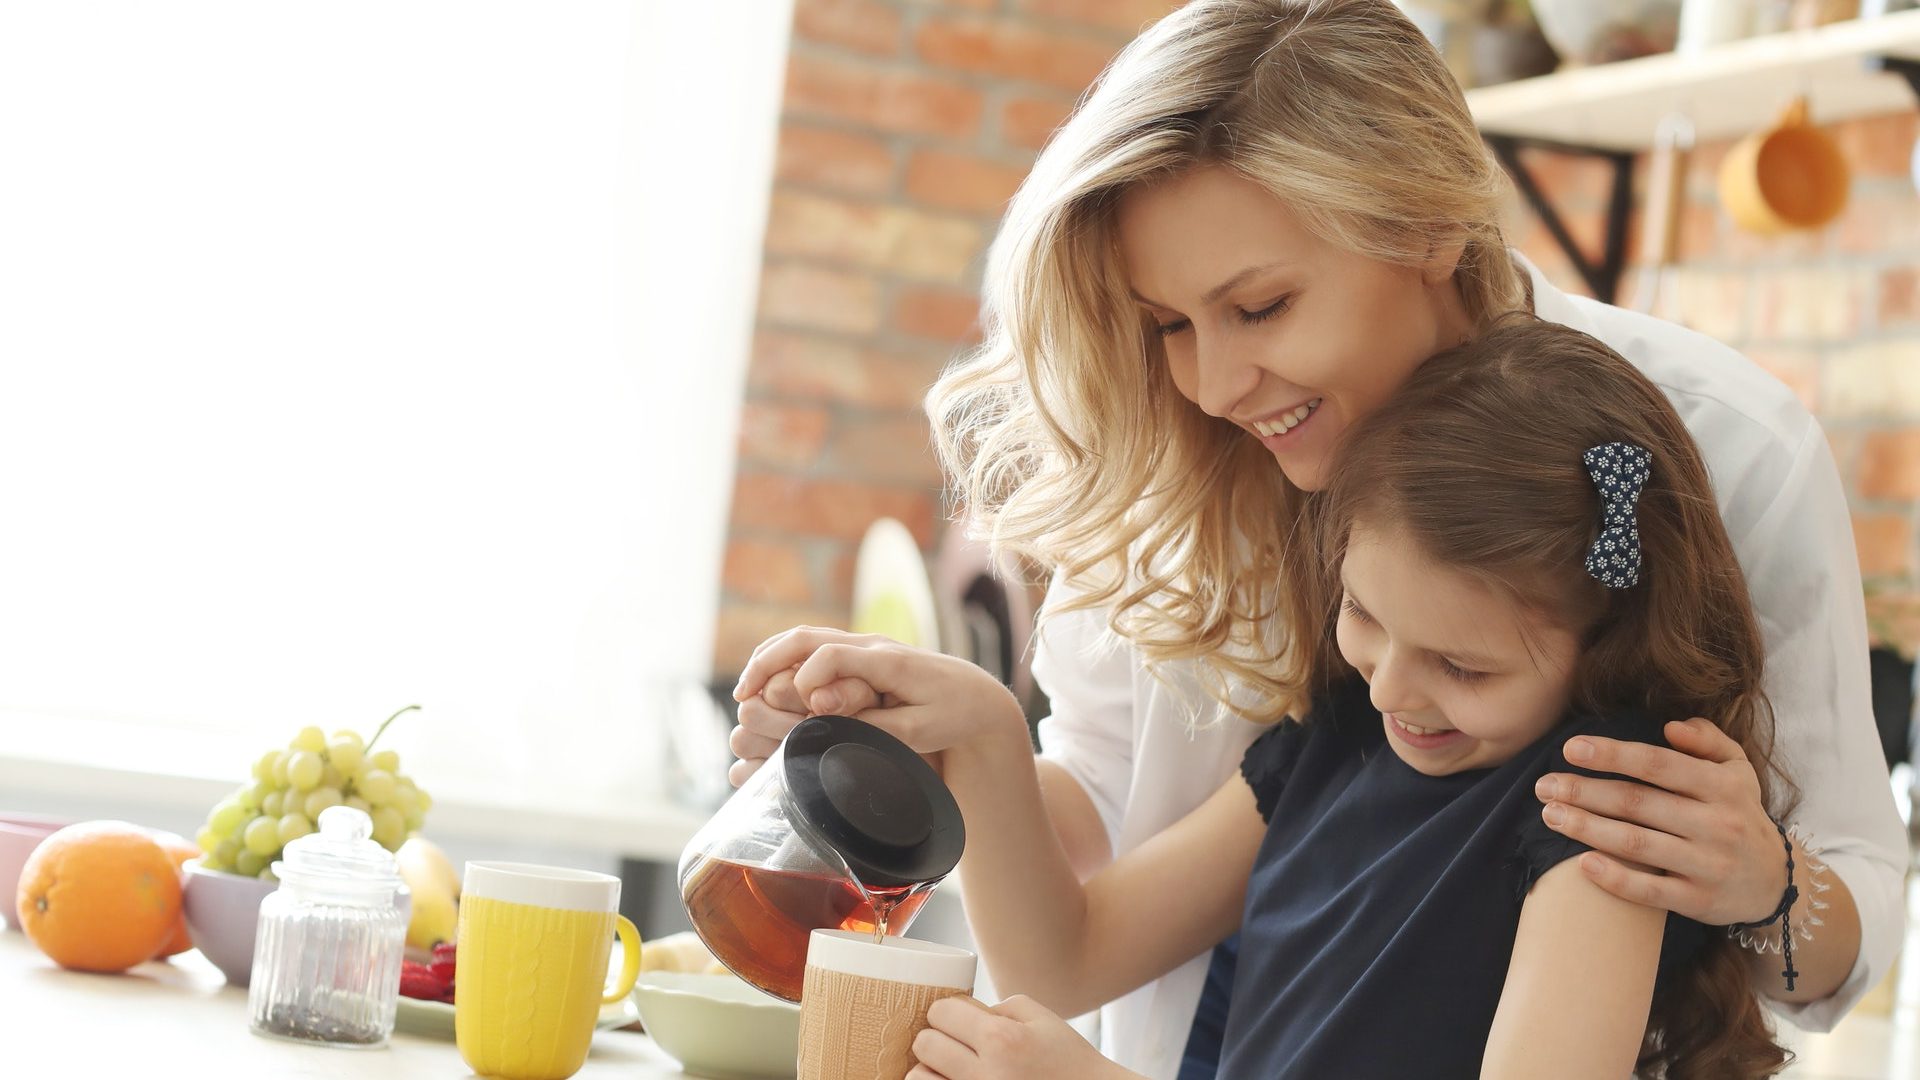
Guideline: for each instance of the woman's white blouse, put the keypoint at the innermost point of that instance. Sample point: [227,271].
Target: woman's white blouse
[1124,735]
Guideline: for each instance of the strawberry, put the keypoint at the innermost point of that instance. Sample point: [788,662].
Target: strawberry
[418,981]
[443,961]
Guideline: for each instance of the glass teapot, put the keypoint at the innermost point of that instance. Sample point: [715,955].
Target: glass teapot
[843,828]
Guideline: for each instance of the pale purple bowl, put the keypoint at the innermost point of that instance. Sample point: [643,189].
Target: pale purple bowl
[19,835]
[223,911]
[223,916]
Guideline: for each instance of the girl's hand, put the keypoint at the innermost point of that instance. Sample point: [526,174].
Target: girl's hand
[1699,839]
[930,701]
[1016,1039]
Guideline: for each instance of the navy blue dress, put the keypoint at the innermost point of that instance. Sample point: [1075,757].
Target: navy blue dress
[1384,903]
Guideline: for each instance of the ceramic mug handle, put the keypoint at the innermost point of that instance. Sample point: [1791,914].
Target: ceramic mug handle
[629,962]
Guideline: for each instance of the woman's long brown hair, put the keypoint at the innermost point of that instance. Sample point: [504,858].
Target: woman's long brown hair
[1478,461]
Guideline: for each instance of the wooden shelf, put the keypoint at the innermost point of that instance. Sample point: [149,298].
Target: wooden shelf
[1728,91]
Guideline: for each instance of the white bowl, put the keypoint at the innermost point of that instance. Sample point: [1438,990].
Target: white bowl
[719,1026]
[1602,31]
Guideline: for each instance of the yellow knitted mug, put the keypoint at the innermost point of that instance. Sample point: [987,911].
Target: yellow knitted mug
[534,943]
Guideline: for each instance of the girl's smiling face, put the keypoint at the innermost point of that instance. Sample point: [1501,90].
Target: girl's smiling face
[1463,676]
[1264,324]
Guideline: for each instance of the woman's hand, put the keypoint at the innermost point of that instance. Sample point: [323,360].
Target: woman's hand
[766,717]
[930,701]
[1016,1039]
[1698,839]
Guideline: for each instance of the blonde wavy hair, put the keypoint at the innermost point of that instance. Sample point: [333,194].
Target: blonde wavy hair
[1063,432]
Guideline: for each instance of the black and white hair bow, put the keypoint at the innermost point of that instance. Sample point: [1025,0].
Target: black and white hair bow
[1619,471]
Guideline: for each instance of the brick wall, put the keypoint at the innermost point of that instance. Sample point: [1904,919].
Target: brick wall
[1835,314]
[908,123]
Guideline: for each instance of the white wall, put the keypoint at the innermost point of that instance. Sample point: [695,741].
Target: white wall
[366,353]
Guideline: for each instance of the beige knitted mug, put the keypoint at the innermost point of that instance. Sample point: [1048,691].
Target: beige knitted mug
[863,1001]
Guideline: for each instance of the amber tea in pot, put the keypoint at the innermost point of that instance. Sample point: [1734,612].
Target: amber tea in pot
[843,828]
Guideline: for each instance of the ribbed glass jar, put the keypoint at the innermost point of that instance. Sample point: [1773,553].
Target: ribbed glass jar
[326,960]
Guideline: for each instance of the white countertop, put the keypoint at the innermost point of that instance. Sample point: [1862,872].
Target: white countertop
[180,1019]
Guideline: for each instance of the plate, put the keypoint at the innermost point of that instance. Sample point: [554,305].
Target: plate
[892,595]
[434,1019]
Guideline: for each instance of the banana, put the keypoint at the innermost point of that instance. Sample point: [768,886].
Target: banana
[680,952]
[421,858]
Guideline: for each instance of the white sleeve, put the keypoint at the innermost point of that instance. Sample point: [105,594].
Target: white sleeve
[1804,577]
[1087,673]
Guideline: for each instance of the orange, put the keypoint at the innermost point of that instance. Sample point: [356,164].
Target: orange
[182,851]
[99,896]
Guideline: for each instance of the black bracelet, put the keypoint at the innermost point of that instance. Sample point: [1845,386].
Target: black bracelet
[1780,913]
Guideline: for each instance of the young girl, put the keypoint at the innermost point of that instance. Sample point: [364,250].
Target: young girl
[1519,549]
[1262,218]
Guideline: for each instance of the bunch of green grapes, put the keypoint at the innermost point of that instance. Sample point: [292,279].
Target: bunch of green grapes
[246,830]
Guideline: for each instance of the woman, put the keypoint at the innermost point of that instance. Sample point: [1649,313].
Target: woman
[1260,221]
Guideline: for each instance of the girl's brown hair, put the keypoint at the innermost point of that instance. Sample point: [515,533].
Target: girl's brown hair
[1478,461]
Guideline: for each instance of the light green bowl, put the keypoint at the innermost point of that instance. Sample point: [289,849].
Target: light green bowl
[718,1026]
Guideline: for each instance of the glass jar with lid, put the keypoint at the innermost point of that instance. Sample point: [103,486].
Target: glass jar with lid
[326,959]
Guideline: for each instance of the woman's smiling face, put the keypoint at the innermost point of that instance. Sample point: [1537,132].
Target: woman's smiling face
[1288,336]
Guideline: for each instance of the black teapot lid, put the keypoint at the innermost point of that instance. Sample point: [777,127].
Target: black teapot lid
[874,800]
